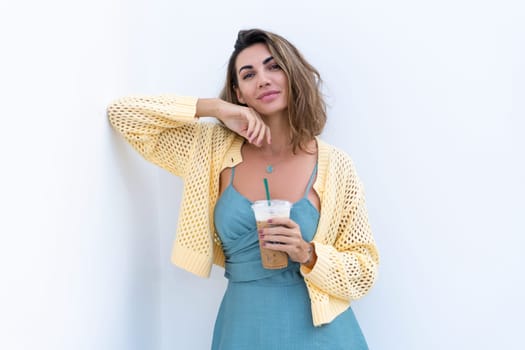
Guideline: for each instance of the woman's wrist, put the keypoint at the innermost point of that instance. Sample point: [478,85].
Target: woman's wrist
[207,107]
[311,256]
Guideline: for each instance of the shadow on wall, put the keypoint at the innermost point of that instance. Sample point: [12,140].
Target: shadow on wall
[133,186]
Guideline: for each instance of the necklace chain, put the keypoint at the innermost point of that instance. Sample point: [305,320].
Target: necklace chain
[270,165]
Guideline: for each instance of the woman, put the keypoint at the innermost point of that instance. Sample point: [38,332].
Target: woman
[271,112]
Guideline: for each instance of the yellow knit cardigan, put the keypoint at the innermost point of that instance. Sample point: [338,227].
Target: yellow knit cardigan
[164,130]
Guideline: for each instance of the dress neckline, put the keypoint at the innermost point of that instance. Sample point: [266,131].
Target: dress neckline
[308,202]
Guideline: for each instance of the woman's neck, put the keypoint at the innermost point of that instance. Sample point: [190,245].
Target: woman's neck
[281,136]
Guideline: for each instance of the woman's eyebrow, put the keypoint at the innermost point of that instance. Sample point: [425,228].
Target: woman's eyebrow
[249,66]
[268,59]
[246,67]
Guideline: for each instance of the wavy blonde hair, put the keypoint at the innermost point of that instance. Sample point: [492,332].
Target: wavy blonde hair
[306,106]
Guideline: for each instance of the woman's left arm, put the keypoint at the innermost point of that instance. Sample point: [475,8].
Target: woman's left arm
[347,268]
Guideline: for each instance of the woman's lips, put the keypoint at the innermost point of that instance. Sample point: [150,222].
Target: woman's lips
[268,96]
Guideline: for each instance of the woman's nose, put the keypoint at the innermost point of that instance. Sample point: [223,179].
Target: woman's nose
[263,80]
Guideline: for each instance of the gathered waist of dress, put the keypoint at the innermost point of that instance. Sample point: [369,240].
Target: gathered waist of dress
[252,271]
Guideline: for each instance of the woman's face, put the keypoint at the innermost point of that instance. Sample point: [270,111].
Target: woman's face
[262,84]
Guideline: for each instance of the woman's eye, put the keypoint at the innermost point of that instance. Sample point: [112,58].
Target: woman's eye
[275,66]
[247,76]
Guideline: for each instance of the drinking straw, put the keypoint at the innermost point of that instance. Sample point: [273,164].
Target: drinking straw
[267,191]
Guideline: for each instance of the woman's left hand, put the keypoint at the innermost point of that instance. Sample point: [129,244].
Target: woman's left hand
[285,236]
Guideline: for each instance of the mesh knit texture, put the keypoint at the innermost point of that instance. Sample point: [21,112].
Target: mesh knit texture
[164,130]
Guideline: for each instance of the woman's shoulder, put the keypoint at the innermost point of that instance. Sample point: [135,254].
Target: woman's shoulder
[214,127]
[334,153]
[222,141]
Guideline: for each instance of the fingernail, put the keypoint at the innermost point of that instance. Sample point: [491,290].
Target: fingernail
[270,221]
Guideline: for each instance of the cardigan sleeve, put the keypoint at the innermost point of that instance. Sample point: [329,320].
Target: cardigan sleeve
[161,128]
[347,268]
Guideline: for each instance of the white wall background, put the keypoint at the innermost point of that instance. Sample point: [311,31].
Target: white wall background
[427,97]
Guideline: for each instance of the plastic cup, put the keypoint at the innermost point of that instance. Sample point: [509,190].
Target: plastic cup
[264,210]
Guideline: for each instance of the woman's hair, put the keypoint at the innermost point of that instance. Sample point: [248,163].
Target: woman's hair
[306,106]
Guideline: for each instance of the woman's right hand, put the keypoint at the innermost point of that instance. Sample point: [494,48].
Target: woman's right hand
[244,121]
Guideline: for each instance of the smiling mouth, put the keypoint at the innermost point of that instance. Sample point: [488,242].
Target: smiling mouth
[268,94]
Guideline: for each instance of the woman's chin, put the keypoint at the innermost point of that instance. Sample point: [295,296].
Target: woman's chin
[269,111]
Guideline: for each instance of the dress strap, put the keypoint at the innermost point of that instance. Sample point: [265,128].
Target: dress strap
[231,175]
[311,181]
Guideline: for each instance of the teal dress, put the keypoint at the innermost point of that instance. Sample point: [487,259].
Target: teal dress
[270,309]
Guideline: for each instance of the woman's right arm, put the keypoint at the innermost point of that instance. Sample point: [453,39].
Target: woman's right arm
[162,128]
[244,121]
